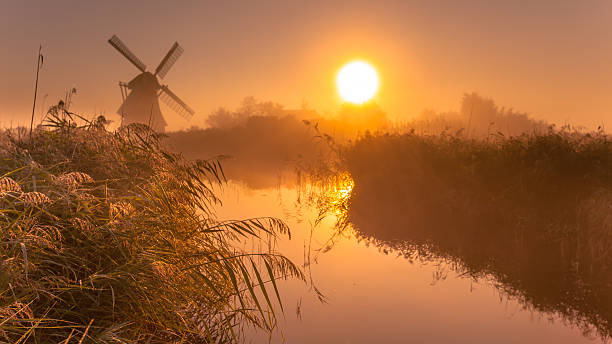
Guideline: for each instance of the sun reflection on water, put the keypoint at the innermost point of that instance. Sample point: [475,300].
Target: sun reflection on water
[332,202]
[341,192]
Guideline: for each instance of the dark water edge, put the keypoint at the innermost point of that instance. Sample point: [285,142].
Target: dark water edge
[532,269]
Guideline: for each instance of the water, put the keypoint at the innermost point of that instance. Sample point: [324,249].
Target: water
[374,296]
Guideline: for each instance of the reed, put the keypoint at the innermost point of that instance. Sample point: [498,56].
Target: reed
[530,212]
[108,238]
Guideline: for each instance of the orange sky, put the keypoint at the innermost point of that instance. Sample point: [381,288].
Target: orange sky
[552,59]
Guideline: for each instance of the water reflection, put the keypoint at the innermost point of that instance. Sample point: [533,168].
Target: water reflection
[520,262]
[444,287]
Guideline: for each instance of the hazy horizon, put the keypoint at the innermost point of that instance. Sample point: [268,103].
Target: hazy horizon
[549,58]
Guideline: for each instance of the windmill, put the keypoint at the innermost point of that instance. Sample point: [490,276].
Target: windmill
[140,96]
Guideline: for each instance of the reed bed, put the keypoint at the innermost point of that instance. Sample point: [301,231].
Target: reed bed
[531,211]
[108,238]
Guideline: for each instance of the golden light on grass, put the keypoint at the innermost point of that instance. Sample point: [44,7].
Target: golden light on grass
[357,82]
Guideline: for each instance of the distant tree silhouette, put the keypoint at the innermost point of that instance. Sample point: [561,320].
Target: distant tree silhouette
[225,119]
[478,117]
[484,117]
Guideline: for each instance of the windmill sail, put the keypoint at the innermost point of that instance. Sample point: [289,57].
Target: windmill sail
[164,66]
[175,103]
[123,49]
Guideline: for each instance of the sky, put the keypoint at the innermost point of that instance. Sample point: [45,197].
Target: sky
[552,59]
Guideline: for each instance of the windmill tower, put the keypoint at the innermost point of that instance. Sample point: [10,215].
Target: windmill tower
[140,96]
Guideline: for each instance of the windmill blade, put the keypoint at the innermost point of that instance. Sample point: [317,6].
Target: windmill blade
[123,49]
[173,54]
[175,103]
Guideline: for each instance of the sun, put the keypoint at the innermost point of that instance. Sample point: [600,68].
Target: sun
[357,82]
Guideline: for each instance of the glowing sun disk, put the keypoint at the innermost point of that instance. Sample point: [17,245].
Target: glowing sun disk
[357,82]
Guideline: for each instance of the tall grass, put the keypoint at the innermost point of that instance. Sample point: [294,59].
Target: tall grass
[108,238]
[533,211]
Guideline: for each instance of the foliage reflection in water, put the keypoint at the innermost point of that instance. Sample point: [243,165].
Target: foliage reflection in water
[364,282]
[528,269]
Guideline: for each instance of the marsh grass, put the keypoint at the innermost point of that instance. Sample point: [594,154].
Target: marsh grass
[108,238]
[531,211]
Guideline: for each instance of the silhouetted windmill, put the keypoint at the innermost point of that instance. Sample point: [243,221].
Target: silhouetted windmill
[141,105]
